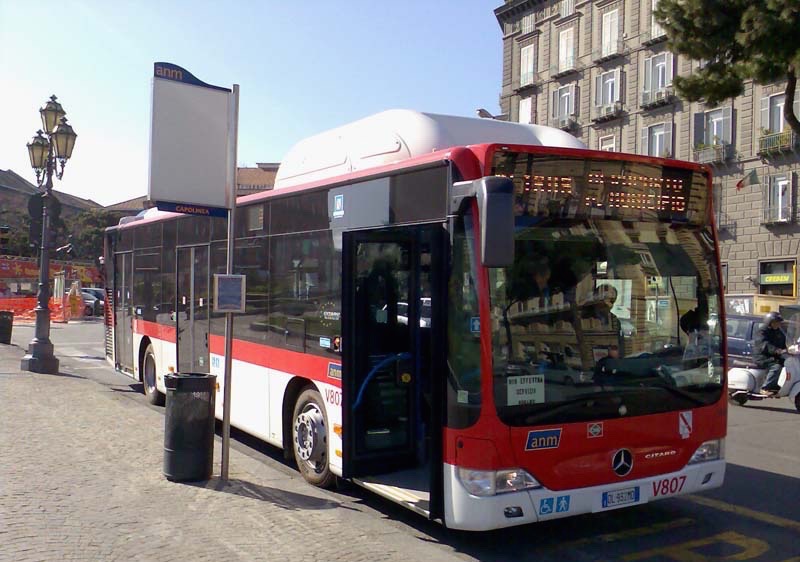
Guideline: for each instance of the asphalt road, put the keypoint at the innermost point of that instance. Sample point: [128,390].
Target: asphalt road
[754,516]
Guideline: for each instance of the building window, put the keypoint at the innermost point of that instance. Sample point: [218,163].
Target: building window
[724,275]
[527,65]
[527,23]
[567,8]
[777,278]
[658,72]
[525,111]
[772,120]
[712,135]
[657,140]
[566,50]
[610,34]
[608,143]
[607,88]
[778,203]
[563,102]
[655,28]
[776,136]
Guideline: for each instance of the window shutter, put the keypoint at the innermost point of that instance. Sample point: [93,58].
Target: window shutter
[554,112]
[727,135]
[598,90]
[765,113]
[767,197]
[669,69]
[668,141]
[617,84]
[648,74]
[643,147]
[699,129]
[573,90]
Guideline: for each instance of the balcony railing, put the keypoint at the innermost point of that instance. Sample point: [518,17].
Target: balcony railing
[608,50]
[777,142]
[721,152]
[607,112]
[564,66]
[565,122]
[653,35]
[657,97]
[779,214]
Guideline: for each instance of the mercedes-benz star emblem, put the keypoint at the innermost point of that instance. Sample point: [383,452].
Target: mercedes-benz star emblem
[622,463]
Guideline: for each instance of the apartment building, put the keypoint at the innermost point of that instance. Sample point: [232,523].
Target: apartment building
[601,70]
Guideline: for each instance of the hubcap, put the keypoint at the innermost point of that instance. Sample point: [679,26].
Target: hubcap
[149,373]
[309,430]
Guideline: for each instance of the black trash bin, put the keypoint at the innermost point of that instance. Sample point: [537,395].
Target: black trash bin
[6,323]
[189,427]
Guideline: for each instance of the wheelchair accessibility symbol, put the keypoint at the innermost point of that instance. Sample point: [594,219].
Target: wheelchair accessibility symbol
[558,504]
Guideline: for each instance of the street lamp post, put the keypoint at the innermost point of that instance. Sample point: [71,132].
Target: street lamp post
[50,146]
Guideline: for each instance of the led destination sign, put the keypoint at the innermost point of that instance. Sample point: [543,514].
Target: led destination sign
[556,186]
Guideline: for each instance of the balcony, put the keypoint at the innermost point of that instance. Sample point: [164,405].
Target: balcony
[609,50]
[774,143]
[712,154]
[654,35]
[657,98]
[607,112]
[777,215]
[566,66]
[527,80]
[564,122]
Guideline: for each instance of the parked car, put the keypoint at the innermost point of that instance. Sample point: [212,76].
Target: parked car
[96,291]
[92,299]
[741,331]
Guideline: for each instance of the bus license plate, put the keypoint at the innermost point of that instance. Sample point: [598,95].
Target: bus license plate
[620,497]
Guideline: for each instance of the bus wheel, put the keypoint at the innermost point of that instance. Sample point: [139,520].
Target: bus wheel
[149,378]
[310,439]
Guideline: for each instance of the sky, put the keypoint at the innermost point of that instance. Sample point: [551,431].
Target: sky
[302,68]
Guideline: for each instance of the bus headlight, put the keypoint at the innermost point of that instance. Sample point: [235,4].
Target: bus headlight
[492,482]
[709,451]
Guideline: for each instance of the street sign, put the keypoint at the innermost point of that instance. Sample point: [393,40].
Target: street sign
[190,143]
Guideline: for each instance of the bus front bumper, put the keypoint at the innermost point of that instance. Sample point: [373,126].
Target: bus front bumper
[472,513]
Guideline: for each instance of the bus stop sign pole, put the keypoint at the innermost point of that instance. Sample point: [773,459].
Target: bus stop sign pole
[226,389]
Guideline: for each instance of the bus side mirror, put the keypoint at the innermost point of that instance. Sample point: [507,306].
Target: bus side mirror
[496,208]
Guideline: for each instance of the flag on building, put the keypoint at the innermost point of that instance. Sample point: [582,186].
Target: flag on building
[749,179]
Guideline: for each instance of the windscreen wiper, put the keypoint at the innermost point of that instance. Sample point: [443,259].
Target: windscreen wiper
[680,392]
[587,401]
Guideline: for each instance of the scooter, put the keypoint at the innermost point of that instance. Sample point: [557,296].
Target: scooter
[745,382]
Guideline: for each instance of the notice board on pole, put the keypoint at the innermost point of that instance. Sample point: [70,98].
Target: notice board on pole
[190,138]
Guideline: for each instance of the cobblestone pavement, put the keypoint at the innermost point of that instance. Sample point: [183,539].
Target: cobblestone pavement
[81,479]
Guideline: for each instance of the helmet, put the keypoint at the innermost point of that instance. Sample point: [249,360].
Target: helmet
[771,317]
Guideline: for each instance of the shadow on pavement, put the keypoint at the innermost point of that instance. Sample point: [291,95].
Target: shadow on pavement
[787,410]
[281,498]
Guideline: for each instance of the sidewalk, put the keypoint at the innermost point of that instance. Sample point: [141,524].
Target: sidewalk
[81,479]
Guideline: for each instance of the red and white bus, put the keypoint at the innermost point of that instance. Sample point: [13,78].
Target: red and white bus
[482,321]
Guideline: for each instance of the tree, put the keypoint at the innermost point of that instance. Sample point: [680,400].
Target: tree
[87,230]
[18,243]
[740,40]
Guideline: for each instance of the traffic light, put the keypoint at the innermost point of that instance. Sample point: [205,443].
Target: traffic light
[35,205]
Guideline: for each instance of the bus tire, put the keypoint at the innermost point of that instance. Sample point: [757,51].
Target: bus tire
[149,378]
[310,439]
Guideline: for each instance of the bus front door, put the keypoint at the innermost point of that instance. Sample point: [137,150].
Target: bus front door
[193,310]
[393,333]
[123,311]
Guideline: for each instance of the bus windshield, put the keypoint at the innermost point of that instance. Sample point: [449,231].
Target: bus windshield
[600,319]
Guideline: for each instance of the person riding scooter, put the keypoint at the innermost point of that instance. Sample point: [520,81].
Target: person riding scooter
[769,349]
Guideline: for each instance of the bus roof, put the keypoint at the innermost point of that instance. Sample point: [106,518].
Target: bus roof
[401,134]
